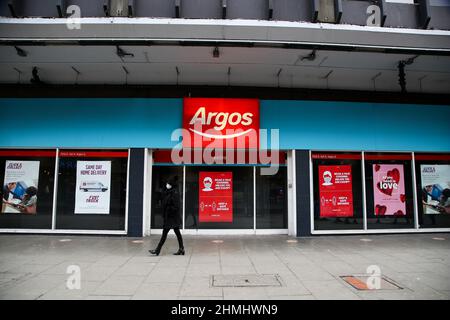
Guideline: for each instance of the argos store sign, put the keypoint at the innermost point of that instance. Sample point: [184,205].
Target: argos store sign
[225,131]
[219,122]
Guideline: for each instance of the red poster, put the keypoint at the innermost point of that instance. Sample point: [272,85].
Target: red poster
[215,203]
[335,187]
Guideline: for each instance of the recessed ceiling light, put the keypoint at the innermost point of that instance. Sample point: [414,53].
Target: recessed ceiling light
[65,240]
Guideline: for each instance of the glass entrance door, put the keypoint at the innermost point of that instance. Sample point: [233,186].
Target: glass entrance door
[221,197]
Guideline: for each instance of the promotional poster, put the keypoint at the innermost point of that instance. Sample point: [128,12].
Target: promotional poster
[389,190]
[20,187]
[92,195]
[435,180]
[215,196]
[335,187]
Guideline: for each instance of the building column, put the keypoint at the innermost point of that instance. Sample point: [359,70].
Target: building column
[136,192]
[302,167]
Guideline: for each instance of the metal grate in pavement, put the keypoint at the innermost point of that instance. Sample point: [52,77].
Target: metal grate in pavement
[246,280]
[365,282]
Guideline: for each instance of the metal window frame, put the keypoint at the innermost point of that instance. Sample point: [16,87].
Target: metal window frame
[254,199]
[365,230]
[55,190]
[53,229]
[253,230]
[416,211]
[364,200]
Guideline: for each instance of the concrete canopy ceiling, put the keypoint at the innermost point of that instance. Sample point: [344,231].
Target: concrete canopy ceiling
[235,66]
[251,53]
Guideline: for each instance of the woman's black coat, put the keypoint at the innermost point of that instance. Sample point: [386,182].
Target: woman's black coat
[171,209]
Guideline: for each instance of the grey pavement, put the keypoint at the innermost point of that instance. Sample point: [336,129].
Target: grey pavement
[36,267]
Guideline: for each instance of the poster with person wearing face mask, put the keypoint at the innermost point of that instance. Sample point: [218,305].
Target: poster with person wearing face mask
[335,188]
[215,196]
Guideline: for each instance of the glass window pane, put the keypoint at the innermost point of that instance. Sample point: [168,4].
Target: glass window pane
[337,191]
[271,200]
[160,176]
[92,189]
[27,178]
[433,188]
[389,195]
[242,197]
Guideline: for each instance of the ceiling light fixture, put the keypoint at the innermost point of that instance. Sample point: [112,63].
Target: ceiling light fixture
[401,72]
[310,57]
[20,52]
[35,76]
[216,52]
[122,53]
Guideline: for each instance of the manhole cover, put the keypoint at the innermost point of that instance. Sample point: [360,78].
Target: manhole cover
[365,282]
[246,280]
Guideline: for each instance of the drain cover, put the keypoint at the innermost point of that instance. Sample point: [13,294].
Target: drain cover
[360,282]
[246,280]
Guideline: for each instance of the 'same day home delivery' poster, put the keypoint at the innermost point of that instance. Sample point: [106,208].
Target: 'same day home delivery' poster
[389,190]
[92,195]
[20,187]
[435,179]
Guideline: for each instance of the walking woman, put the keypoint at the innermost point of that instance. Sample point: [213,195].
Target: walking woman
[172,216]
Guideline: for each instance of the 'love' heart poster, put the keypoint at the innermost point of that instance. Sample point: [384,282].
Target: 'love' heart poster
[389,190]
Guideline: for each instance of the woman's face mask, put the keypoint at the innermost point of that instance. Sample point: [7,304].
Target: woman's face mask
[168,186]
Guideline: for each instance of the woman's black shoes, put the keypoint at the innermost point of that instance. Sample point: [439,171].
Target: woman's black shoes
[155,252]
[180,252]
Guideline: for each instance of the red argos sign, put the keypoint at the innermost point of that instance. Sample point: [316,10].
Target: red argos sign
[220,122]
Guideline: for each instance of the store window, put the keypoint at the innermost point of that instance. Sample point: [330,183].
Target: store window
[389,194]
[271,199]
[27,178]
[433,190]
[337,187]
[219,197]
[92,189]
[160,176]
